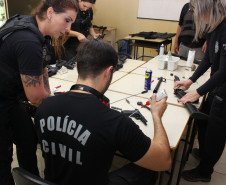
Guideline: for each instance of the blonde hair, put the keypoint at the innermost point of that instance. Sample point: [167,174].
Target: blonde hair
[208,14]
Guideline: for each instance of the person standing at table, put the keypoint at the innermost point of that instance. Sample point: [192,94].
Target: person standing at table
[79,133]
[81,28]
[210,18]
[24,76]
[184,40]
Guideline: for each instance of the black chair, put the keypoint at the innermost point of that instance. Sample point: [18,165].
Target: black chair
[23,177]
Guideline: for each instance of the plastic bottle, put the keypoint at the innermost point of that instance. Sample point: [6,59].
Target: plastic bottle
[191,57]
[169,56]
[161,51]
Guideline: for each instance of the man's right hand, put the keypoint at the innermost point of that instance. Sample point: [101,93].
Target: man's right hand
[158,107]
[158,157]
[81,38]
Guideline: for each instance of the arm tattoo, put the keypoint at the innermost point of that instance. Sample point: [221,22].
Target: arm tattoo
[46,81]
[31,80]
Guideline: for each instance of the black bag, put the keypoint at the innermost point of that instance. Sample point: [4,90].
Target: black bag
[124,46]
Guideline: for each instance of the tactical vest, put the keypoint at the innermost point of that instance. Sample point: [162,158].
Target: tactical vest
[83,22]
[11,86]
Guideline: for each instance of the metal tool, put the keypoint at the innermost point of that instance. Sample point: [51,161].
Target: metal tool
[136,114]
[143,92]
[141,104]
[160,80]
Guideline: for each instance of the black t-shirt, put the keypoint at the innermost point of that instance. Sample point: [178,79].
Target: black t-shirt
[81,25]
[188,40]
[20,53]
[80,135]
[83,21]
[183,13]
[215,58]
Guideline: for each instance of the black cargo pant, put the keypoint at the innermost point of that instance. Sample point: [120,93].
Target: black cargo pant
[132,174]
[16,127]
[212,134]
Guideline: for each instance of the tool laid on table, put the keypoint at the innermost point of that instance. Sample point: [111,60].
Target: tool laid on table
[160,80]
[51,70]
[70,64]
[135,113]
[142,105]
[143,92]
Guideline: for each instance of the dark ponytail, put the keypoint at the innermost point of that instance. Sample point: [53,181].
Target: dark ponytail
[90,1]
[59,6]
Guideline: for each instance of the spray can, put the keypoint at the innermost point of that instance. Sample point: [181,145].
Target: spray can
[148,75]
[161,50]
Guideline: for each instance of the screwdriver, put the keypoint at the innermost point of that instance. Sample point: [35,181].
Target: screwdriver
[147,103]
[143,92]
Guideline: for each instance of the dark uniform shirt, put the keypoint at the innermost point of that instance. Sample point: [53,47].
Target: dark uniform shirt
[215,58]
[81,25]
[187,24]
[20,53]
[80,135]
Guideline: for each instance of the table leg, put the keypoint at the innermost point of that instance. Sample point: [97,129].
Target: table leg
[136,53]
[171,45]
[194,130]
[183,159]
[143,55]
[173,166]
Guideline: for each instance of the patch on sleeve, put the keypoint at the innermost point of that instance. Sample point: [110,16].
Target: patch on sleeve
[223,51]
[216,47]
[224,47]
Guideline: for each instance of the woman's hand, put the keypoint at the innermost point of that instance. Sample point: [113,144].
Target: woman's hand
[176,47]
[190,97]
[184,85]
[204,47]
[96,35]
[81,38]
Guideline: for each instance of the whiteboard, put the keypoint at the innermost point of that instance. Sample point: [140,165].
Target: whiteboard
[161,9]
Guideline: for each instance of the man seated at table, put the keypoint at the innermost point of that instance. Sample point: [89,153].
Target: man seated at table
[79,133]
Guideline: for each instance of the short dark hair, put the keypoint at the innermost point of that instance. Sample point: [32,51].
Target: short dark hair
[90,1]
[93,56]
[59,6]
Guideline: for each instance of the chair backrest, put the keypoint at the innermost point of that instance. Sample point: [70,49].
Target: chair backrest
[23,177]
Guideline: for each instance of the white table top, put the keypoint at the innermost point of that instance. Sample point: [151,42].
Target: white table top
[182,71]
[129,80]
[134,84]
[131,65]
[173,127]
